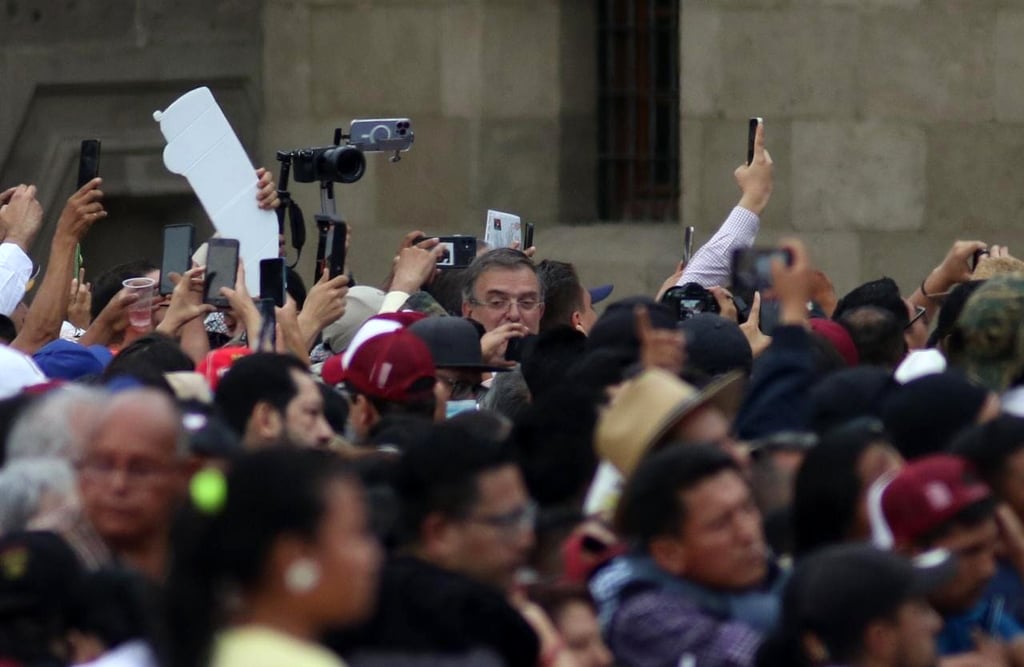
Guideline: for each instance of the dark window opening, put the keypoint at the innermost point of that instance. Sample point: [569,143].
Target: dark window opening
[638,101]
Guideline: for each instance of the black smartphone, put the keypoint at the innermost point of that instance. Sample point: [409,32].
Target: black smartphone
[221,269]
[178,242]
[88,161]
[976,257]
[769,316]
[268,326]
[527,235]
[751,136]
[273,280]
[752,268]
[336,249]
[457,252]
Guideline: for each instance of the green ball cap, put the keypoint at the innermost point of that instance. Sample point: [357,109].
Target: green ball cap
[209,490]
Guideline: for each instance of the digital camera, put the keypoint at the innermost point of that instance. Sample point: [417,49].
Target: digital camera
[689,300]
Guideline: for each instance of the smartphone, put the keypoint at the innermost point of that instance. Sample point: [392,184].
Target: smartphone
[975,258]
[751,136]
[752,268]
[457,252]
[221,269]
[336,249]
[178,242]
[527,236]
[88,161]
[268,326]
[769,316]
[273,280]
[687,245]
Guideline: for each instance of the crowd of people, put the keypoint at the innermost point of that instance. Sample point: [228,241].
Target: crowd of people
[471,467]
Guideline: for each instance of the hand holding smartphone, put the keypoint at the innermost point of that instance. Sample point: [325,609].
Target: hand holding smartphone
[221,270]
[751,137]
[752,268]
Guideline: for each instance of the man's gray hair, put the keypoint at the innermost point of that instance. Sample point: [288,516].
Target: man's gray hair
[26,483]
[502,258]
[53,426]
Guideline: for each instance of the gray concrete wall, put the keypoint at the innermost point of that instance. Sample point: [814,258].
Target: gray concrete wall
[897,125]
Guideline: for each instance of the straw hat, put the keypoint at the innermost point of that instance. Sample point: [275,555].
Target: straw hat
[647,407]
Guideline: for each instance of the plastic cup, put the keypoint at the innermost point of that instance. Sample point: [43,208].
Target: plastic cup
[140,313]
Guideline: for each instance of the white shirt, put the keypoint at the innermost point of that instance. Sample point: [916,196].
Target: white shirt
[15,270]
[711,265]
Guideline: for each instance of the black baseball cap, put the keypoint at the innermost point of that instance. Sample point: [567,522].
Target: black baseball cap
[39,573]
[453,342]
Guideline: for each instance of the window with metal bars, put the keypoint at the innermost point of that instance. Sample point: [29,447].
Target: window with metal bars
[638,102]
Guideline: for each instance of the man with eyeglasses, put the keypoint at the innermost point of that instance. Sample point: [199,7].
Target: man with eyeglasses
[464,529]
[131,473]
[504,294]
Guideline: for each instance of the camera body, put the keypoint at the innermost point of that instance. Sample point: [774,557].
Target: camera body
[345,162]
[689,300]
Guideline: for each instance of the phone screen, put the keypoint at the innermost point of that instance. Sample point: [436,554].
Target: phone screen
[88,161]
[751,136]
[221,267]
[177,254]
[272,280]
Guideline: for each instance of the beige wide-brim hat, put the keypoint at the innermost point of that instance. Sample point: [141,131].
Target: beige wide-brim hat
[648,406]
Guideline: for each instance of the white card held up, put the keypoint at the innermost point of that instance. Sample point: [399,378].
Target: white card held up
[503,229]
[202,147]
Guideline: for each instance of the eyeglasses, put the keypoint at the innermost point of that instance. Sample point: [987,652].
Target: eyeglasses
[504,303]
[462,390]
[133,471]
[919,312]
[510,524]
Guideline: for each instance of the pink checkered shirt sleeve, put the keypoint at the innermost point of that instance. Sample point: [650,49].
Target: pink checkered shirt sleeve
[710,265]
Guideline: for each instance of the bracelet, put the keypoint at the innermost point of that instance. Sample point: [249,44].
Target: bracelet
[924,293]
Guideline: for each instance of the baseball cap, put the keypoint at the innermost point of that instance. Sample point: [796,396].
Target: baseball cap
[600,293]
[454,342]
[616,328]
[905,506]
[394,366]
[989,332]
[647,407]
[17,371]
[361,303]
[716,345]
[838,336]
[38,572]
[65,360]
[217,362]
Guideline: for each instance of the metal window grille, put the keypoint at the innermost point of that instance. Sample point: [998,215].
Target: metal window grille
[638,89]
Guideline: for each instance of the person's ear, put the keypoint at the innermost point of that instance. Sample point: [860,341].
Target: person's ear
[363,415]
[467,309]
[266,422]
[439,537]
[576,320]
[669,554]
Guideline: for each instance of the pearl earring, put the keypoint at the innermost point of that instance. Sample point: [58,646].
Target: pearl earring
[302,576]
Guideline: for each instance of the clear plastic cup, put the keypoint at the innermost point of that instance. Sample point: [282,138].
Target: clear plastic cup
[140,313]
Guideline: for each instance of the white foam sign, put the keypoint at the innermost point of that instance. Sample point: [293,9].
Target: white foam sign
[202,147]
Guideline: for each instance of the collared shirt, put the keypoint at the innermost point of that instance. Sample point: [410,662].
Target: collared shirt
[15,270]
[712,263]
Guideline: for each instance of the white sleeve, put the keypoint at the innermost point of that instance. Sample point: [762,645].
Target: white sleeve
[15,270]
[711,264]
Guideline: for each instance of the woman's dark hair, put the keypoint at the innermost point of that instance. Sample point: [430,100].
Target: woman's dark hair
[827,485]
[271,493]
[147,359]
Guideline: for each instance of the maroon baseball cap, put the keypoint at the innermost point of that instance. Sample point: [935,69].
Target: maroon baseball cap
[394,366]
[922,496]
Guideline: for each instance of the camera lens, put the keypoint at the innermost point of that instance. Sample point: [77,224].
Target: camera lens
[343,164]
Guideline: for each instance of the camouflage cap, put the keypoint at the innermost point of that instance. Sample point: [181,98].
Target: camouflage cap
[991,327]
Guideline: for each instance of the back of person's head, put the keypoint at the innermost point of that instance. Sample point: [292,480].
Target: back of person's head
[563,293]
[952,306]
[883,293]
[440,474]
[114,606]
[148,358]
[509,394]
[29,486]
[503,259]
[989,447]
[877,335]
[716,345]
[554,438]
[925,414]
[226,542]
[548,358]
[446,289]
[263,377]
[651,505]
[106,285]
[55,424]
[828,488]
[848,394]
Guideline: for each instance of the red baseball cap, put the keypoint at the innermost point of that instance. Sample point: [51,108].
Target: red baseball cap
[394,366]
[922,496]
[838,336]
[217,362]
